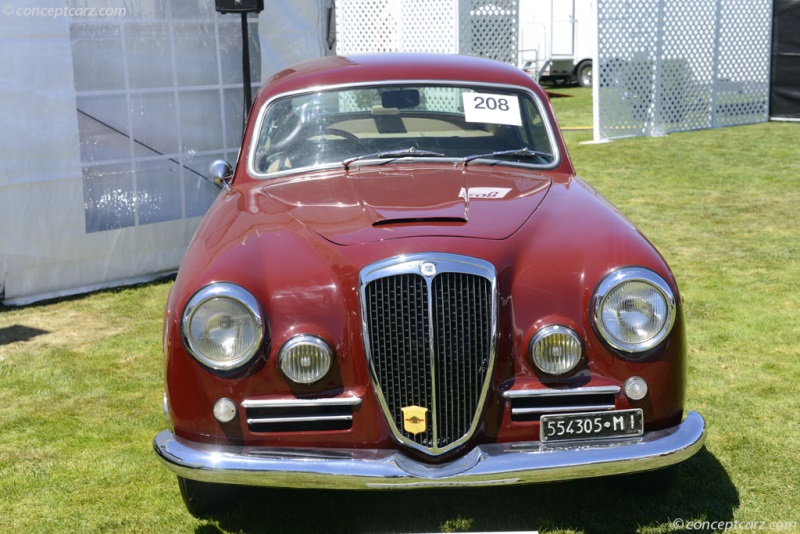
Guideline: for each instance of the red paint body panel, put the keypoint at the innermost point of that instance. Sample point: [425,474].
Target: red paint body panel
[376,203]
[297,243]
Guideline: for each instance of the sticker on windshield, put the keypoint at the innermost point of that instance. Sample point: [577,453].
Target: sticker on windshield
[494,109]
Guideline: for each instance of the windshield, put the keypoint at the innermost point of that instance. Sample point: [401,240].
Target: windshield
[386,123]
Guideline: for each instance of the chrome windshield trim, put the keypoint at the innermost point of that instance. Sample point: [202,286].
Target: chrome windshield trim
[592,390]
[485,465]
[256,133]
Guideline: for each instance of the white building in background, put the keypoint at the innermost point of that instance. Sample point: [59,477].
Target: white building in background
[112,112]
[558,39]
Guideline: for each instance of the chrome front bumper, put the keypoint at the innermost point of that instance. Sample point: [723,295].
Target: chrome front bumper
[491,464]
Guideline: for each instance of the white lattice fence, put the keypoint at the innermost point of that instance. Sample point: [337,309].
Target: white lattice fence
[473,27]
[672,65]
[489,29]
[368,26]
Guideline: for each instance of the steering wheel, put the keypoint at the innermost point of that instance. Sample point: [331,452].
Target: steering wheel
[338,133]
[281,158]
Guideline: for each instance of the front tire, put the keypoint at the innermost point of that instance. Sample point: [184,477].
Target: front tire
[203,498]
[584,73]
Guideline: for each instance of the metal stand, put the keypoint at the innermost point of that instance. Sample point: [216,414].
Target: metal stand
[248,97]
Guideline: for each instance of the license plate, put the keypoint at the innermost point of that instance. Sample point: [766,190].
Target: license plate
[591,425]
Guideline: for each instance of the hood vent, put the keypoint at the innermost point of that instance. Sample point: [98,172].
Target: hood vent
[420,220]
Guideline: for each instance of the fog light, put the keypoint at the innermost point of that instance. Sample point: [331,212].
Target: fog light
[556,349]
[635,388]
[305,359]
[224,410]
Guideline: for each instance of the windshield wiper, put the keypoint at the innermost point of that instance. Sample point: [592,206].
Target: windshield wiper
[523,152]
[394,154]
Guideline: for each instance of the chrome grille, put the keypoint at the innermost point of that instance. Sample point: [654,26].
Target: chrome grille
[429,324]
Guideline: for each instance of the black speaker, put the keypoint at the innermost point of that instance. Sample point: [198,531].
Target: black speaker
[240,6]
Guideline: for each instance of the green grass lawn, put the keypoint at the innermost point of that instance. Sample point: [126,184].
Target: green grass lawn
[81,379]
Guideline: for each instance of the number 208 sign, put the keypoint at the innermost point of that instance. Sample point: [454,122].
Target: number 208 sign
[493,109]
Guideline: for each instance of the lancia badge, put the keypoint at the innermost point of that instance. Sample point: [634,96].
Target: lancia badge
[415,419]
[427,268]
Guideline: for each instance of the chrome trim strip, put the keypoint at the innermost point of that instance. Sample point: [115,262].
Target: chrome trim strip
[562,409]
[412,263]
[592,390]
[309,419]
[251,150]
[301,403]
[486,465]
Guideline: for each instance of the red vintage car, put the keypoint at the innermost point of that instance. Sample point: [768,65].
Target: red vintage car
[404,285]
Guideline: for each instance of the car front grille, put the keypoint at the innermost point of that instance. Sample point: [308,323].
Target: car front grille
[429,330]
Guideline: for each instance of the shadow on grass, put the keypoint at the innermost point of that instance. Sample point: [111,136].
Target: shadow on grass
[18,332]
[702,490]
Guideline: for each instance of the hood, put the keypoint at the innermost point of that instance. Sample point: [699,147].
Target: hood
[374,203]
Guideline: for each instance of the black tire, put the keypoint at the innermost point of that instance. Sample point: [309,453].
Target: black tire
[584,73]
[203,498]
[650,482]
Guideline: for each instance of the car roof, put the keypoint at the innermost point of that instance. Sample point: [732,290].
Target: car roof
[367,68]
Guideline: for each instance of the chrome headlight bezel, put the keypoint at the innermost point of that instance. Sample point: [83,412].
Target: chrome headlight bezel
[663,310]
[251,313]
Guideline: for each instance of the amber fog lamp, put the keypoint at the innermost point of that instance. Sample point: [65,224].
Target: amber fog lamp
[223,326]
[634,309]
[556,349]
[305,359]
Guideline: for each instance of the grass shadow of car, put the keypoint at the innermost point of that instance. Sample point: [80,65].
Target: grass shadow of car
[702,489]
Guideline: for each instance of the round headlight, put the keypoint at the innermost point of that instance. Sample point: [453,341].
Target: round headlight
[634,309]
[223,326]
[305,359]
[556,349]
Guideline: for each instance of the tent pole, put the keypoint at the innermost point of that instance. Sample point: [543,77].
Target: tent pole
[248,98]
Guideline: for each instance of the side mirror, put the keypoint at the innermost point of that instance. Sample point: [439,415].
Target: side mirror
[220,172]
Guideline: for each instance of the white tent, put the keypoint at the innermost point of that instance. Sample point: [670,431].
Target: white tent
[111,113]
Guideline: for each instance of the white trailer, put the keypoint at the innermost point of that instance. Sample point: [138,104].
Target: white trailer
[558,39]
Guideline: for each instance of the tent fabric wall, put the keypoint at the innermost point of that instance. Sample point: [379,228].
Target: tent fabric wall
[295,32]
[785,87]
[109,123]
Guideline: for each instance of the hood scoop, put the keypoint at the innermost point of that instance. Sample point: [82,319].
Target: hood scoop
[380,203]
